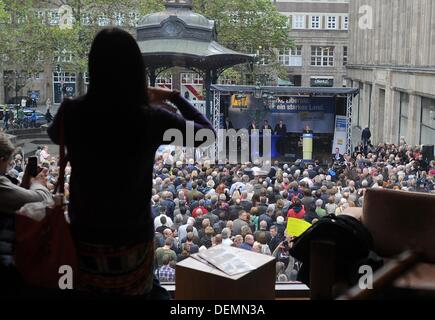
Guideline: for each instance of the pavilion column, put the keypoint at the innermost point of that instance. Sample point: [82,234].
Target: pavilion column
[207,85]
[153,77]
[2,86]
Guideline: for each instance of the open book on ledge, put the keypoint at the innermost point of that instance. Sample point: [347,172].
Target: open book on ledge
[224,259]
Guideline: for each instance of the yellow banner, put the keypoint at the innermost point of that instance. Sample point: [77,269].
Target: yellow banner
[296,227]
[239,101]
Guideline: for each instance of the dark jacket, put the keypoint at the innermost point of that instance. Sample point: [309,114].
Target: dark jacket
[109,206]
[281,131]
[366,134]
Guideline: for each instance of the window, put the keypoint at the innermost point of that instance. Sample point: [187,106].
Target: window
[119,19]
[53,18]
[86,78]
[427,121]
[298,22]
[66,77]
[103,21]
[164,80]
[346,23]
[63,56]
[21,18]
[291,57]
[315,22]
[404,107]
[40,15]
[227,80]
[262,55]
[65,80]
[322,56]
[40,56]
[344,56]
[191,78]
[86,20]
[332,22]
[134,18]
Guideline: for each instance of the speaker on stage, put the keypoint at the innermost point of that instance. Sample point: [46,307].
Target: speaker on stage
[428,153]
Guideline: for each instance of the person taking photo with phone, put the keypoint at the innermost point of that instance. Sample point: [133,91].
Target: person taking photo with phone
[32,189]
[12,198]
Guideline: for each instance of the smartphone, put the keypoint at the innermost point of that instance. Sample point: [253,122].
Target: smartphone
[33,166]
[286,245]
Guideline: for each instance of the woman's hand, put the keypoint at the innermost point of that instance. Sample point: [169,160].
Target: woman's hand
[161,95]
[41,178]
[158,97]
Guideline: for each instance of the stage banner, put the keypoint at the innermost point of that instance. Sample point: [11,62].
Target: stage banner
[304,105]
[340,135]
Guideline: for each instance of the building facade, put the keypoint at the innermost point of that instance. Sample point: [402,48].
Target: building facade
[319,29]
[59,73]
[392,62]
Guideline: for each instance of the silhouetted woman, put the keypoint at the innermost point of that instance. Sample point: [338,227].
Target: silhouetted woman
[112,164]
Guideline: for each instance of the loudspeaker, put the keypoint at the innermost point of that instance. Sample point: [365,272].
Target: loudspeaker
[428,153]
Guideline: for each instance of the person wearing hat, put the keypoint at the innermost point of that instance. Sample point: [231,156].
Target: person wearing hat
[280,226]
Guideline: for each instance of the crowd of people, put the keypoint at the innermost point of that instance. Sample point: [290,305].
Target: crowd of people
[198,206]
[131,228]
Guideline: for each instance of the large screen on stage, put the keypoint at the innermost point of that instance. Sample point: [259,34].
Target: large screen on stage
[295,112]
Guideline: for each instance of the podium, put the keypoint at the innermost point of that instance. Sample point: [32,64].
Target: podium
[307,146]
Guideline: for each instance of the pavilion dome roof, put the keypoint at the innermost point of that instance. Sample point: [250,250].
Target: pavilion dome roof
[180,37]
[190,18]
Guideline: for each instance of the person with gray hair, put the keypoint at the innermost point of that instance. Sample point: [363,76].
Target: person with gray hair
[178,220]
[226,234]
[248,243]
[263,231]
[182,230]
[319,210]
[239,223]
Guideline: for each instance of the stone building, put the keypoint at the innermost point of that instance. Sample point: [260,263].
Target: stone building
[320,33]
[392,61]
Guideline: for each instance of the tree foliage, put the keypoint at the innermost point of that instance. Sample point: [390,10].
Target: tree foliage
[254,27]
[26,36]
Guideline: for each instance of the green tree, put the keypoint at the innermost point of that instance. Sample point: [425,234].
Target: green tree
[254,27]
[88,17]
[22,39]
[31,38]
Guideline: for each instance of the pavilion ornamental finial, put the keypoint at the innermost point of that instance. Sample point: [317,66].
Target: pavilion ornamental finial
[179,4]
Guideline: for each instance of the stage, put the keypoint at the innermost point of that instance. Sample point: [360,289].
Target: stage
[287,148]
[321,109]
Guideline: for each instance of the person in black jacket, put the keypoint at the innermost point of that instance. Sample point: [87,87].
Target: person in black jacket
[365,136]
[280,129]
[116,219]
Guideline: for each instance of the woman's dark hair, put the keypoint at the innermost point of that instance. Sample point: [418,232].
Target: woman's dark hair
[117,70]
